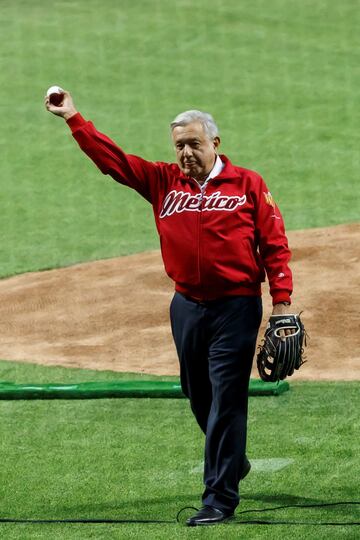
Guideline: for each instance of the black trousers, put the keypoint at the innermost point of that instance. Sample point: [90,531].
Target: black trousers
[216,342]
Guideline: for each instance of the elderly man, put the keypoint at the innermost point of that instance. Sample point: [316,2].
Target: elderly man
[220,230]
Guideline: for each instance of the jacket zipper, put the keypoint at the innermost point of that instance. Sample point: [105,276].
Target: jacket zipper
[202,193]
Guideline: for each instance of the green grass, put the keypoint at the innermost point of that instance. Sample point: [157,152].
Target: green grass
[282,80]
[129,459]
[280,77]
[24,372]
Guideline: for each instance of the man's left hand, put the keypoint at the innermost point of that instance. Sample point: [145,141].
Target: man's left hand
[282,309]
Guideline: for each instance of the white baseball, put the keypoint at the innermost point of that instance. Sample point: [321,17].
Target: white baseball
[54,90]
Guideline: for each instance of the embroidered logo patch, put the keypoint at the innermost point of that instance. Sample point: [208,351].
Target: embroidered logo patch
[181,201]
[269,199]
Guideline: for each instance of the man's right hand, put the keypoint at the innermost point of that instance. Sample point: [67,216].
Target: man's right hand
[66,109]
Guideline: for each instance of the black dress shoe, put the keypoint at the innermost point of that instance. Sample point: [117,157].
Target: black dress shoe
[209,515]
[246,468]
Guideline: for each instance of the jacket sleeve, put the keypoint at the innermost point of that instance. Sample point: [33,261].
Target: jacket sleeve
[126,169]
[273,245]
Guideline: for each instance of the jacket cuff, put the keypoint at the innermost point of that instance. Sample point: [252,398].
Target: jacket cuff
[75,122]
[281,296]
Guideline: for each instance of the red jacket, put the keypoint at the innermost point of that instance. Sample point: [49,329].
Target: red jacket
[215,243]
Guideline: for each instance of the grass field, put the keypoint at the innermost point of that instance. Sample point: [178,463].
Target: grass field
[281,78]
[141,459]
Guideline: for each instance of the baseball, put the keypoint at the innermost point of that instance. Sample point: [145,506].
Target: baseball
[55,95]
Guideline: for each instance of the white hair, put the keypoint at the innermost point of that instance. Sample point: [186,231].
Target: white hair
[207,121]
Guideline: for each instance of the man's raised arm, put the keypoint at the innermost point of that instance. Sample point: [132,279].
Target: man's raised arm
[133,171]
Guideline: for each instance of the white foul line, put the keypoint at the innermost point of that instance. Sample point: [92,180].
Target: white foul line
[258,465]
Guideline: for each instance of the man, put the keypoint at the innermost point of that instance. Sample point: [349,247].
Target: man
[219,231]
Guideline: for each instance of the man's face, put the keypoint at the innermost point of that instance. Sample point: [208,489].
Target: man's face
[195,152]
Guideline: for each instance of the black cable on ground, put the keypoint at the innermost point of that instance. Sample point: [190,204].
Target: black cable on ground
[281,522]
[85,520]
[234,521]
[278,522]
[313,505]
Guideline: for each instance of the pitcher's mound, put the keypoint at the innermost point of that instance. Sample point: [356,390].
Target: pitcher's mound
[113,314]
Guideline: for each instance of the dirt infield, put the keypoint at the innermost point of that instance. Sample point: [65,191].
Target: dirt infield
[113,314]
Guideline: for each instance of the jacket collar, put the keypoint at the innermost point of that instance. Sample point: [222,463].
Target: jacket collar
[229,171]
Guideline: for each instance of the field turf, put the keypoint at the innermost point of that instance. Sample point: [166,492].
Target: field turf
[141,459]
[281,77]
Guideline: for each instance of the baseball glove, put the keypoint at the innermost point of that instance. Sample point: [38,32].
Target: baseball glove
[280,354]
